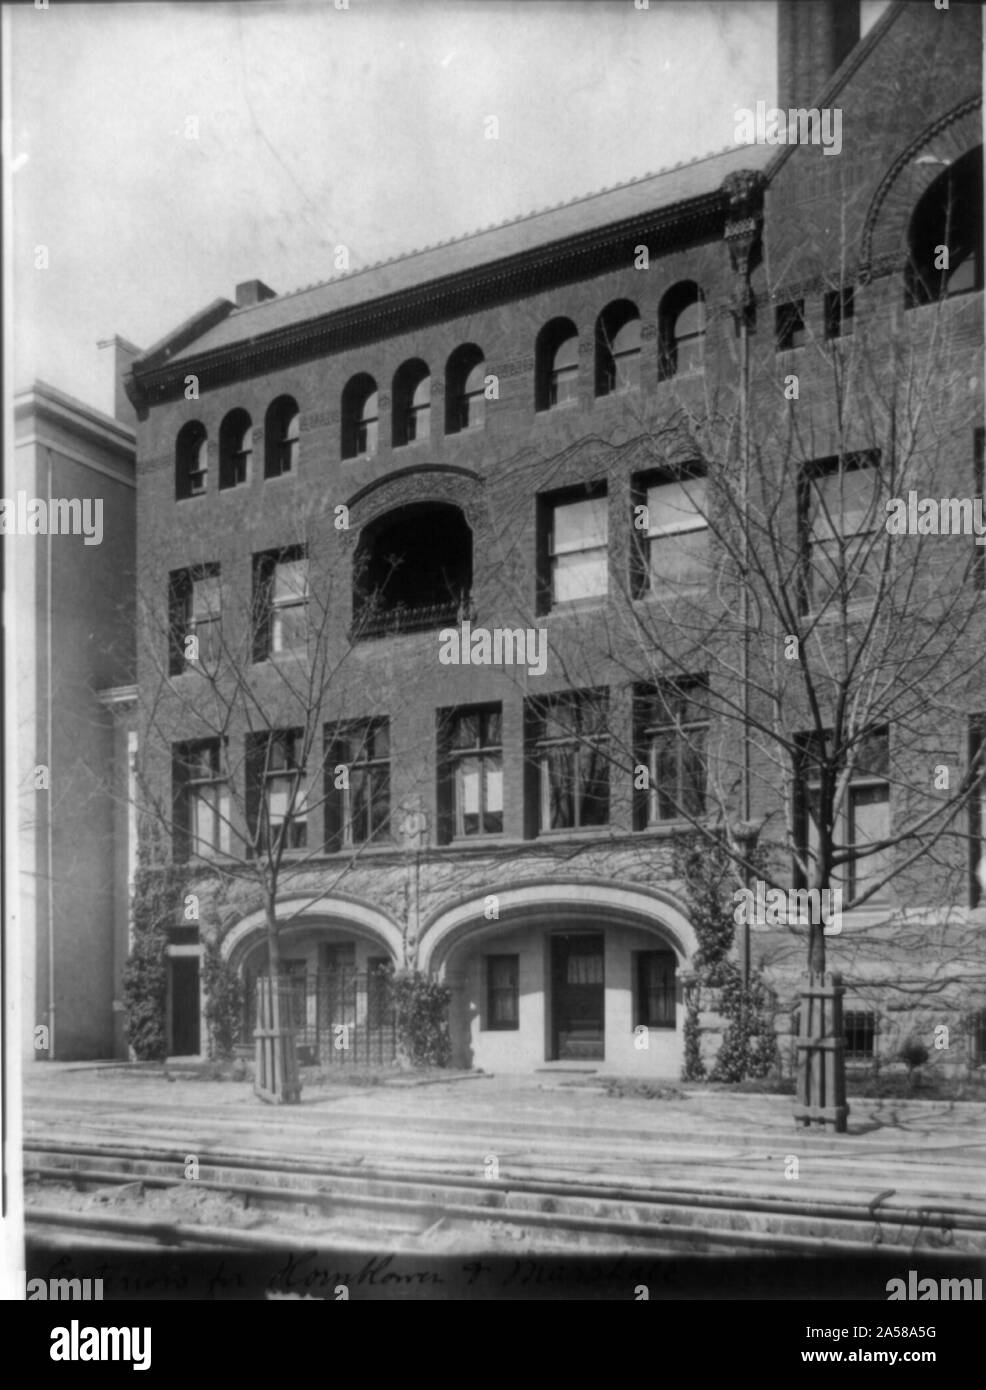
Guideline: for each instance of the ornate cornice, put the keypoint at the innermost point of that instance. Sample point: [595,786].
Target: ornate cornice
[528,272]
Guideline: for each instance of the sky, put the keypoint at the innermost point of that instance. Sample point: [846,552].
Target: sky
[165,152]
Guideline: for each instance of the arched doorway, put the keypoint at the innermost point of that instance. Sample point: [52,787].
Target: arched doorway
[572,974]
[335,958]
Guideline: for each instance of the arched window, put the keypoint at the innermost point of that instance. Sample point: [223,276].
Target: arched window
[465,377]
[281,437]
[412,403]
[235,448]
[617,348]
[413,570]
[360,416]
[945,237]
[556,364]
[191,460]
[681,331]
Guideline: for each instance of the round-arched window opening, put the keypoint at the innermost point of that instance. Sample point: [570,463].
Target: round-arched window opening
[413,571]
[945,236]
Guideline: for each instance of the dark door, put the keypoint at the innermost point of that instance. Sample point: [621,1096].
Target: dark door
[185,1006]
[578,996]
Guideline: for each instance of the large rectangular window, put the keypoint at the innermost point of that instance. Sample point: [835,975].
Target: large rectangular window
[655,989]
[861,821]
[194,612]
[277,811]
[471,772]
[280,598]
[672,532]
[671,722]
[842,518]
[570,748]
[502,992]
[357,783]
[576,542]
[201,800]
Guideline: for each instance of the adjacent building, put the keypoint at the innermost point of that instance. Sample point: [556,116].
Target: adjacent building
[71,573]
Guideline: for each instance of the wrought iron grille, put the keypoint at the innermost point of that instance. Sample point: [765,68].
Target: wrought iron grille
[339,1017]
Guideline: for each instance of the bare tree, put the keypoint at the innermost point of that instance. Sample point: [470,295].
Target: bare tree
[249,677]
[802,666]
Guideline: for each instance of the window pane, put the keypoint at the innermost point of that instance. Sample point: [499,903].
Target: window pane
[690,321]
[870,822]
[291,580]
[579,576]
[627,338]
[359,805]
[491,728]
[566,355]
[467,790]
[380,801]
[580,525]
[465,732]
[205,597]
[626,370]
[378,744]
[278,797]
[594,799]
[676,506]
[844,503]
[289,628]
[560,772]
[681,559]
[494,784]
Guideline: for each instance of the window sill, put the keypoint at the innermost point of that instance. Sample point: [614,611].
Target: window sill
[463,841]
[561,407]
[575,832]
[696,590]
[577,605]
[668,827]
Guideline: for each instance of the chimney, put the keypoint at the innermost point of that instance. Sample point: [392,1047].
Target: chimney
[253,292]
[813,38]
[123,354]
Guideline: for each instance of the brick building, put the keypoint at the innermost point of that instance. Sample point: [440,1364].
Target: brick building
[455,442]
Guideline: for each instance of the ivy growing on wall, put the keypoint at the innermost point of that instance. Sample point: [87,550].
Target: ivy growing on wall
[223,1000]
[749,1044]
[421,1009]
[156,906]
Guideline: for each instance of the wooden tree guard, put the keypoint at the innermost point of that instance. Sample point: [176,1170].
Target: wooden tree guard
[821,1097]
[276,1080]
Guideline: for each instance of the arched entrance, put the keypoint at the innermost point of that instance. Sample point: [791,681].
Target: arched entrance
[573,974]
[334,953]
